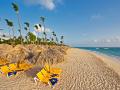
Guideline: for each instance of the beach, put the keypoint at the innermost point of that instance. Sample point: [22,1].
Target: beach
[81,70]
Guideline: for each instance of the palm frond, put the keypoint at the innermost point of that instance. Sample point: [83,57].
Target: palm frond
[9,23]
[40,25]
[62,37]
[36,26]
[42,18]
[27,24]
[25,28]
[15,7]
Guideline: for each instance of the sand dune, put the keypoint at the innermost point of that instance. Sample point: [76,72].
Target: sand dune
[82,70]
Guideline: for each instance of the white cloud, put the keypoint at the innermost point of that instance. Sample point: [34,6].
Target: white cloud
[96,16]
[48,4]
[95,41]
[108,40]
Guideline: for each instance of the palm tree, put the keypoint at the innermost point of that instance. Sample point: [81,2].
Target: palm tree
[55,39]
[37,29]
[43,22]
[62,38]
[44,33]
[10,25]
[16,9]
[53,35]
[27,28]
[3,35]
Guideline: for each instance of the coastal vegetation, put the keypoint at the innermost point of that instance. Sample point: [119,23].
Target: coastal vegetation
[26,46]
[30,37]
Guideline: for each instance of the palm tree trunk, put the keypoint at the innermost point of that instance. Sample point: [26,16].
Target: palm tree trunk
[10,36]
[19,27]
[13,32]
[13,36]
[44,32]
[27,37]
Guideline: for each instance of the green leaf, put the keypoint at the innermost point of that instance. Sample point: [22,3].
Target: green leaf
[27,24]
[9,23]
[36,26]
[42,18]
[32,37]
[15,7]
[40,25]
[62,37]
[25,28]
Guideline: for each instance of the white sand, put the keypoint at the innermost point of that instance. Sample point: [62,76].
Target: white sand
[82,70]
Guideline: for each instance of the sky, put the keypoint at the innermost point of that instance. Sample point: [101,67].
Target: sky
[83,23]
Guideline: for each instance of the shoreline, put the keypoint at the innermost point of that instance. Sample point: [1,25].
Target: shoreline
[112,62]
[103,54]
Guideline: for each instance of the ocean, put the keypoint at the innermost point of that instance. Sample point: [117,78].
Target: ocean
[111,51]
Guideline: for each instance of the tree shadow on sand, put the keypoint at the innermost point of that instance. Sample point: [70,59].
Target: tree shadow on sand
[32,72]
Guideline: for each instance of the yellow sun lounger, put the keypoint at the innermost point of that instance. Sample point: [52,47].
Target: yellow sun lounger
[5,69]
[52,70]
[14,68]
[43,76]
[47,74]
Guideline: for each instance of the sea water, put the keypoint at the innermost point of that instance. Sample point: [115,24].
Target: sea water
[110,51]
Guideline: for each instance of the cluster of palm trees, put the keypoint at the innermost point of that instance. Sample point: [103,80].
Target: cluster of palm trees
[30,37]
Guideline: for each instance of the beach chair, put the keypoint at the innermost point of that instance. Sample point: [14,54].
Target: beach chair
[12,68]
[5,69]
[55,72]
[48,75]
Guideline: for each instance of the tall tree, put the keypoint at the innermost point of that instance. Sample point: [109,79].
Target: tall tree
[54,36]
[37,27]
[16,9]
[56,40]
[10,25]
[27,29]
[28,26]
[44,32]
[62,38]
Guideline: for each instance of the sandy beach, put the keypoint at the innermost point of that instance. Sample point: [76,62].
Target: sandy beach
[81,70]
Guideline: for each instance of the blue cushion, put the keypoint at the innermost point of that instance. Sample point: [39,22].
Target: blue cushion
[12,73]
[53,81]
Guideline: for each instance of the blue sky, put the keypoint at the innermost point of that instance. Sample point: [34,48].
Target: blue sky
[82,22]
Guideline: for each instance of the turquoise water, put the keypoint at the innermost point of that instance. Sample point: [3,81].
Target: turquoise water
[112,51]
